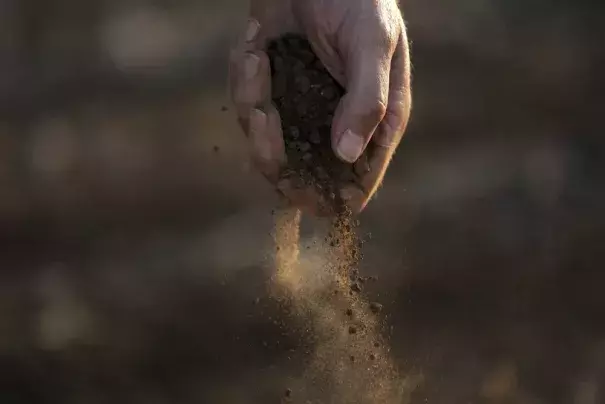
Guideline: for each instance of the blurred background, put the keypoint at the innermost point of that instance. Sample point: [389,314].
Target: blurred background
[133,232]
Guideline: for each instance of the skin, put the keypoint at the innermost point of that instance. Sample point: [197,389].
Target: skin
[363,44]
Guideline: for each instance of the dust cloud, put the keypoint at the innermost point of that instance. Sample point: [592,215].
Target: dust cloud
[350,359]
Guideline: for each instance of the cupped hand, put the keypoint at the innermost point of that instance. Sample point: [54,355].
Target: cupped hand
[364,46]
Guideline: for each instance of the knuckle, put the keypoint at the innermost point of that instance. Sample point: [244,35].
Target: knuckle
[386,33]
[382,37]
[373,111]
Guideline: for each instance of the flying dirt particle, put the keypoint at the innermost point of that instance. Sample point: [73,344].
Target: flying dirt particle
[306,97]
[376,307]
[224,108]
[376,344]
[288,393]
[216,149]
[257,300]
[333,336]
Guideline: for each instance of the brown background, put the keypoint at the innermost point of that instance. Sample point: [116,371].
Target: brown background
[132,230]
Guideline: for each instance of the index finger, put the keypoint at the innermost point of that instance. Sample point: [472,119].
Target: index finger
[368,63]
[389,133]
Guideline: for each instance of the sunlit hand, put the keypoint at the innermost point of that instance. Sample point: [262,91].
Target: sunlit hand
[364,45]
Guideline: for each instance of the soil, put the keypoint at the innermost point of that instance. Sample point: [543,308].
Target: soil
[306,96]
[327,297]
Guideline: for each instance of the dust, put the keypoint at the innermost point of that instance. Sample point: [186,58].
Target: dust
[319,284]
[350,360]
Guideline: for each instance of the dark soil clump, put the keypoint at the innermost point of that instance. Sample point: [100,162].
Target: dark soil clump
[306,96]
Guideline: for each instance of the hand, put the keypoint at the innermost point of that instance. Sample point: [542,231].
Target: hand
[363,44]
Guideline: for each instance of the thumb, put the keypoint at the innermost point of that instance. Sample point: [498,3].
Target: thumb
[364,106]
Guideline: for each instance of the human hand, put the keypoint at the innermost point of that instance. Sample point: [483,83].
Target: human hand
[364,46]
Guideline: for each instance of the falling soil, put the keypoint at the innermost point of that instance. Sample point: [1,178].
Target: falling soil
[319,282]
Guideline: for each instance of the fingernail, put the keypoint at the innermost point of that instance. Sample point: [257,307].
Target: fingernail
[251,65]
[252,30]
[350,146]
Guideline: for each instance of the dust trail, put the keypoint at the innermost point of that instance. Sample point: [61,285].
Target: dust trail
[350,361]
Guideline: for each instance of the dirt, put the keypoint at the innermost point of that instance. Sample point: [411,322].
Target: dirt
[320,283]
[306,96]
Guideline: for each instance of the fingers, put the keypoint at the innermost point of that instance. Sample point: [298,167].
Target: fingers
[266,142]
[250,82]
[250,86]
[249,74]
[372,166]
[368,65]
[399,104]
[247,42]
